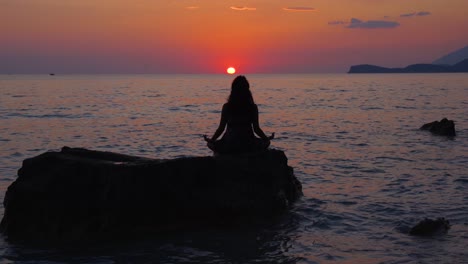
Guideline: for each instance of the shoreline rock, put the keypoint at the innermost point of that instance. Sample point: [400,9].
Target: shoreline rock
[78,193]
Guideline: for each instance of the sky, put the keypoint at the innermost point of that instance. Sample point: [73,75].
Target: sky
[208,36]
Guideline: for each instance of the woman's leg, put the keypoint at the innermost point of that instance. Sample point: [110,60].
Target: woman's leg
[218,147]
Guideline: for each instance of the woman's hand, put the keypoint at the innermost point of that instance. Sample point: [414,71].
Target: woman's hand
[207,139]
[272,136]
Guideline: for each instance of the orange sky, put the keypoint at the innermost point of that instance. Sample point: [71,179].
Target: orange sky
[207,36]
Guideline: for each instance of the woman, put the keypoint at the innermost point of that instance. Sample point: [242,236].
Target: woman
[240,115]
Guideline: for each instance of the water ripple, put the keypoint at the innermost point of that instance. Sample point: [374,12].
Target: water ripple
[368,173]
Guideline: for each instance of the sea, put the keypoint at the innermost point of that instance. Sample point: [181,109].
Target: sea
[368,173]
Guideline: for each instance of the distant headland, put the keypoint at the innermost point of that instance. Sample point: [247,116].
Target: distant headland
[456,61]
[414,68]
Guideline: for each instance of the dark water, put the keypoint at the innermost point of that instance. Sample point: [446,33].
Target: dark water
[368,173]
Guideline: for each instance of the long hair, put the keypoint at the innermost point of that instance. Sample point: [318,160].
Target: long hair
[240,96]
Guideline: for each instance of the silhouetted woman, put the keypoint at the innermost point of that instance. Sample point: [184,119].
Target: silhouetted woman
[240,115]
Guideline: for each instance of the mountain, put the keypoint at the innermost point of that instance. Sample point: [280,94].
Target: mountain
[462,66]
[453,58]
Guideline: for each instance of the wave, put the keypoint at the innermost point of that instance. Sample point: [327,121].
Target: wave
[66,116]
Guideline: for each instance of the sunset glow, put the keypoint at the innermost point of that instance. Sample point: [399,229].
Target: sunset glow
[202,37]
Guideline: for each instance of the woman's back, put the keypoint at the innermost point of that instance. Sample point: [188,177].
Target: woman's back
[239,121]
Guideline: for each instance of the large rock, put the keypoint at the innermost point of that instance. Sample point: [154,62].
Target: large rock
[443,127]
[78,193]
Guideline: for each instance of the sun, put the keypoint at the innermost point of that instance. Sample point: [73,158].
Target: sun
[231,70]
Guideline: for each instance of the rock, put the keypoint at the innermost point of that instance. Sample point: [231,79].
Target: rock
[428,227]
[443,127]
[78,193]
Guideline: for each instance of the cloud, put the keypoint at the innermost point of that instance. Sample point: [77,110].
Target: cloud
[192,7]
[299,9]
[243,8]
[407,15]
[372,24]
[421,13]
[337,22]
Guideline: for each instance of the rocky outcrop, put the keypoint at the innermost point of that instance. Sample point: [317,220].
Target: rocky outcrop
[79,193]
[443,127]
[428,227]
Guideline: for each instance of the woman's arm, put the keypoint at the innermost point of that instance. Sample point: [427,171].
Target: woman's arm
[256,126]
[222,124]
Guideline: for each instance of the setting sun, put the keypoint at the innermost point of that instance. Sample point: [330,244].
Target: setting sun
[231,70]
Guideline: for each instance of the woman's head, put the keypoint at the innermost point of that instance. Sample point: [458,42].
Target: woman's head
[240,82]
[240,92]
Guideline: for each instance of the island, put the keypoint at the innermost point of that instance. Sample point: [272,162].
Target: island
[414,68]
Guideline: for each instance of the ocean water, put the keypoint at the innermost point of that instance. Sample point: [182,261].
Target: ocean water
[368,173]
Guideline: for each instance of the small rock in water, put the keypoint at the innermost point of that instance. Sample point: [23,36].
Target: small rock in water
[443,127]
[429,227]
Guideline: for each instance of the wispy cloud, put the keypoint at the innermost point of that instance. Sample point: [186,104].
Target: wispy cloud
[372,24]
[337,22]
[299,9]
[422,13]
[243,8]
[407,15]
[192,7]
